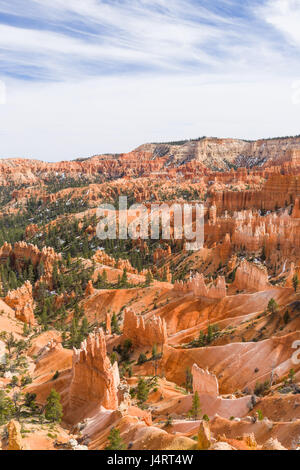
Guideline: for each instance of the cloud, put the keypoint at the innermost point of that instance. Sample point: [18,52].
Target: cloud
[284,15]
[146,34]
[93,76]
[72,38]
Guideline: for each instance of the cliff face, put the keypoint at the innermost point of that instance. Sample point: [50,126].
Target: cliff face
[196,285]
[207,386]
[94,380]
[217,153]
[207,153]
[144,333]
[21,301]
[251,277]
[204,382]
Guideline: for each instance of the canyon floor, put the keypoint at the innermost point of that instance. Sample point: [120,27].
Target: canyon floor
[142,344]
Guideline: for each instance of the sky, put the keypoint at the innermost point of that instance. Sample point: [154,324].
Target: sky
[85,77]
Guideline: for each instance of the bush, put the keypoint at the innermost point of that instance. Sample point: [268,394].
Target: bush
[142,359]
[55,376]
[261,388]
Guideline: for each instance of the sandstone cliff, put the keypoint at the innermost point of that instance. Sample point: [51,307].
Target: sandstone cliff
[94,381]
[251,277]
[144,333]
[196,285]
[21,301]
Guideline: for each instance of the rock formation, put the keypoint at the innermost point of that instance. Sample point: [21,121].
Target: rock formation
[251,277]
[31,230]
[196,285]
[14,436]
[22,251]
[207,386]
[250,255]
[143,333]
[21,301]
[108,324]
[204,382]
[204,436]
[94,380]
[103,258]
[273,444]
[89,289]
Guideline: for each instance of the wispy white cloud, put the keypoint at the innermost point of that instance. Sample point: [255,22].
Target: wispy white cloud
[106,76]
[141,34]
[284,15]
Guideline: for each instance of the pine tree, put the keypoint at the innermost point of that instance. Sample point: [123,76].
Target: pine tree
[104,278]
[142,390]
[202,339]
[26,330]
[124,280]
[196,407]
[6,408]
[53,409]
[149,278]
[84,330]
[295,282]
[209,334]
[114,325]
[30,274]
[273,307]
[154,351]
[74,333]
[115,440]
[164,276]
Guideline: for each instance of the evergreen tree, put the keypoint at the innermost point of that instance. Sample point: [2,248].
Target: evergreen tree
[30,275]
[154,351]
[6,408]
[202,339]
[74,333]
[142,390]
[149,278]
[53,409]
[273,307]
[115,440]
[196,407]
[114,325]
[84,330]
[209,334]
[295,282]
[142,359]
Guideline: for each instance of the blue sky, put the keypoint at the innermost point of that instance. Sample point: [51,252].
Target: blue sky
[91,76]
